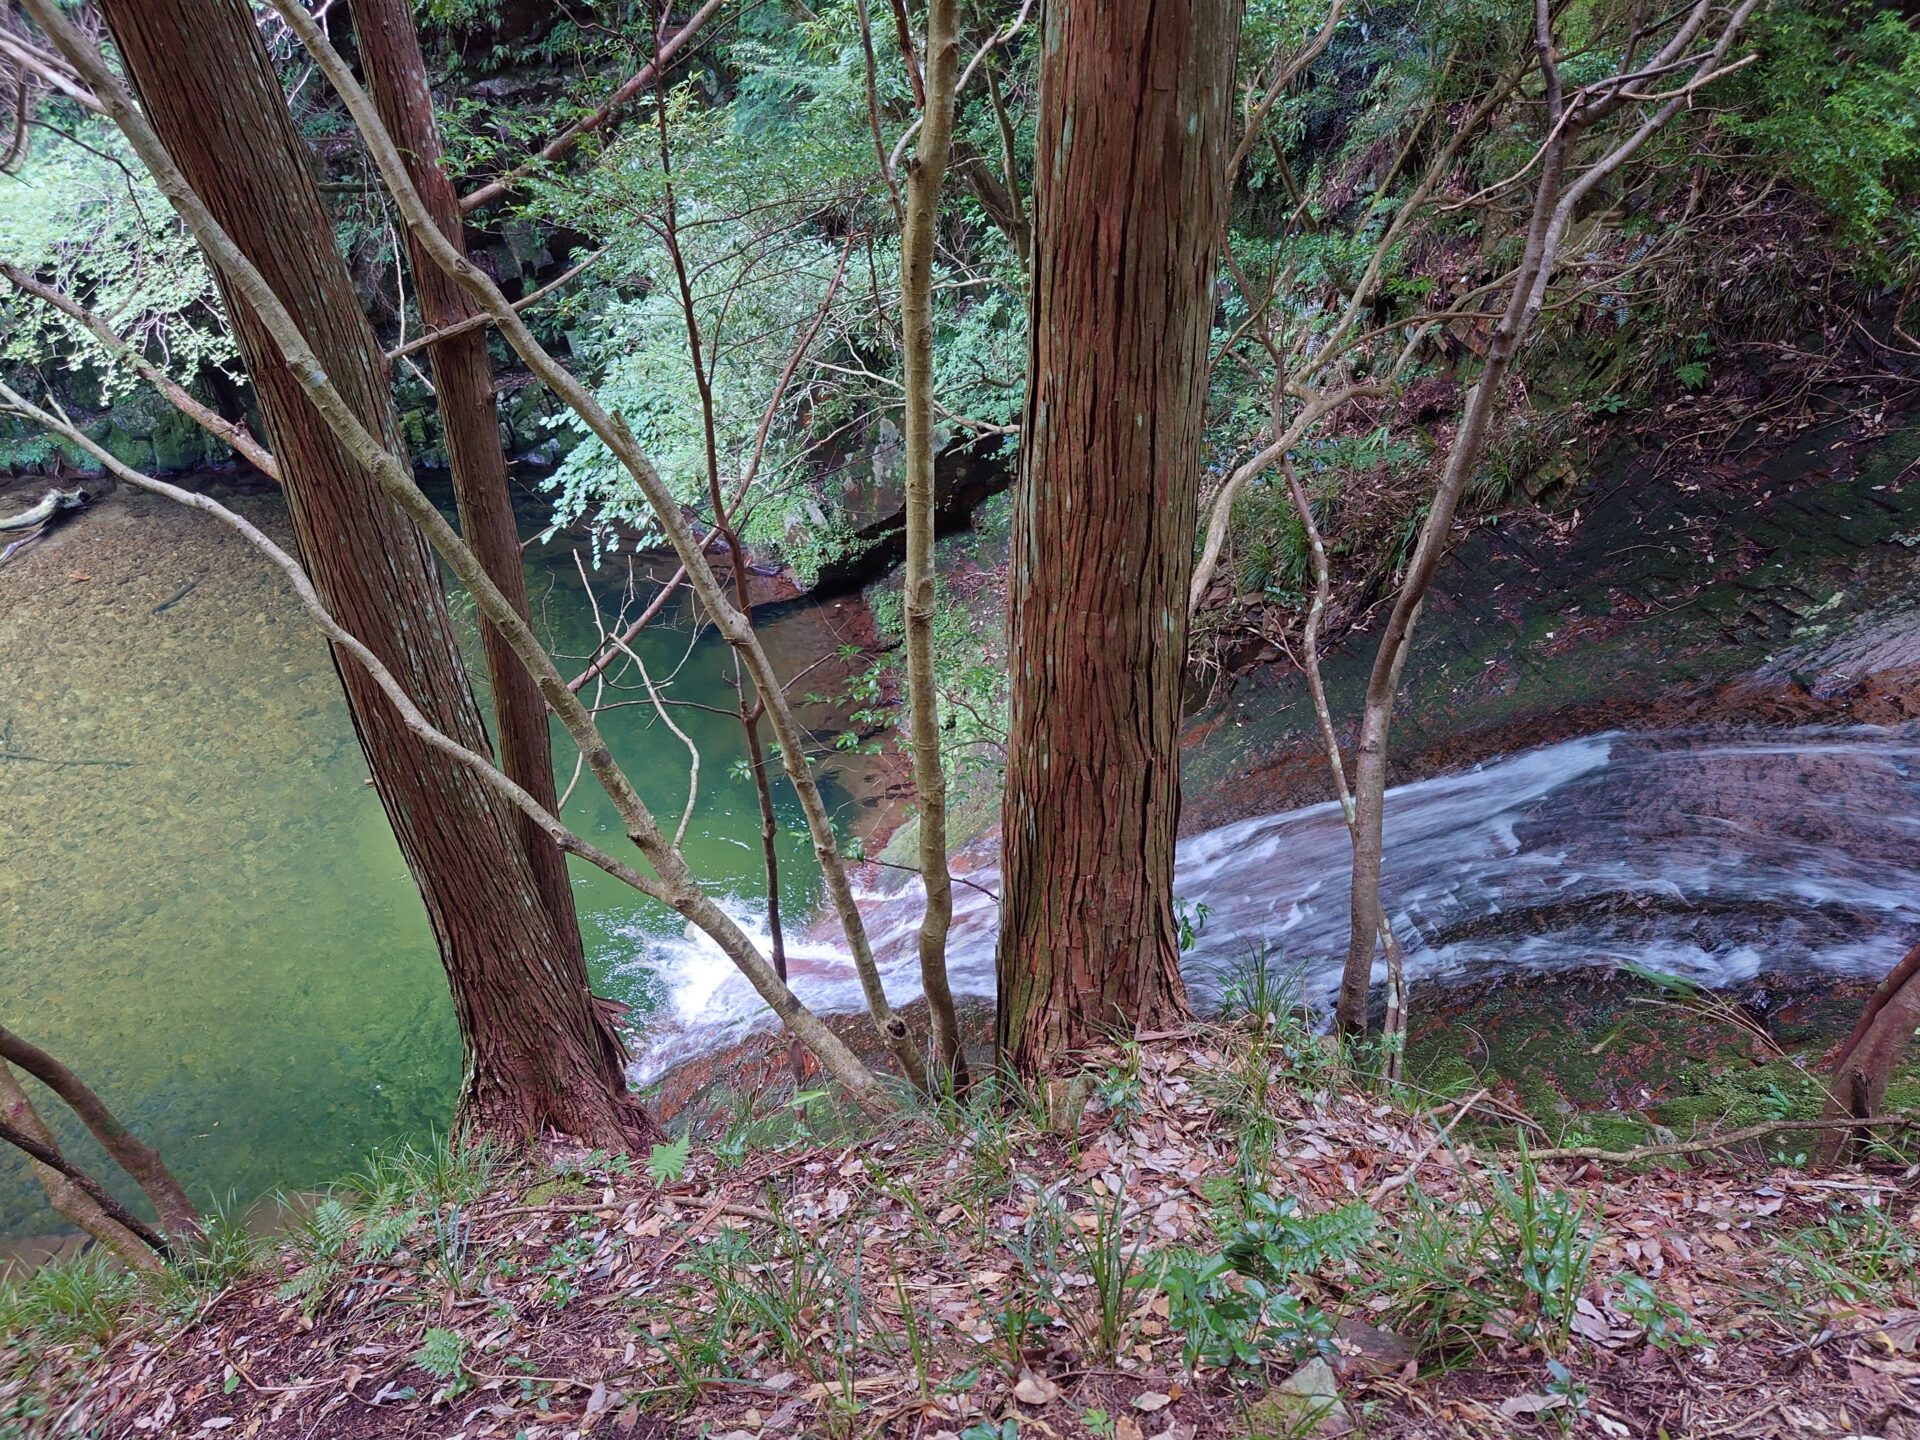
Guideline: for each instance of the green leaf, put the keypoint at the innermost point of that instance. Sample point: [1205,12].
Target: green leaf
[444,1353]
[668,1162]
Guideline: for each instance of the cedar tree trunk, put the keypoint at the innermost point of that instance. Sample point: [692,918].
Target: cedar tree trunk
[463,379]
[1130,195]
[540,1053]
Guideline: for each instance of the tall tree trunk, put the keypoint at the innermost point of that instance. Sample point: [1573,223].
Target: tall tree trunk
[463,380]
[925,174]
[1130,195]
[540,1053]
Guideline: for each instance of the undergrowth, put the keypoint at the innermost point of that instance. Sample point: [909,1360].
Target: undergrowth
[1205,1219]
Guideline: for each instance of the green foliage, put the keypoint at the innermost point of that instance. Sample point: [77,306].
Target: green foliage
[1236,1306]
[783,1295]
[443,1354]
[322,1247]
[443,1170]
[1667,1325]
[668,1162]
[975,692]
[1277,1242]
[1831,105]
[1103,1247]
[89,221]
[568,1264]
[770,186]
[81,1297]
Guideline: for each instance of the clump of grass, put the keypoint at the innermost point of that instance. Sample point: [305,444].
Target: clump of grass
[453,1169]
[1271,1046]
[1857,1256]
[81,1297]
[1511,1263]
[411,1196]
[1091,1264]
[223,1253]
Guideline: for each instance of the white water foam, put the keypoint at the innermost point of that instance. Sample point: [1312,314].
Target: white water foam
[1719,859]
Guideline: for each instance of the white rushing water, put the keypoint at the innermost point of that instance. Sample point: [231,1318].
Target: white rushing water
[1715,858]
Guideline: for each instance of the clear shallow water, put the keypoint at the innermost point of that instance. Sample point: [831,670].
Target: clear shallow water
[1718,858]
[202,908]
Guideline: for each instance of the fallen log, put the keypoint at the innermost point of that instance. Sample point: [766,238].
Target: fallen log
[45,508]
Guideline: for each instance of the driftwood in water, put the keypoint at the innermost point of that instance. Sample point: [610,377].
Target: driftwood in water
[1858,1082]
[44,509]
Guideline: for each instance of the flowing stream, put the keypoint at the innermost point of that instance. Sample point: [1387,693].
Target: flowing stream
[203,910]
[1713,857]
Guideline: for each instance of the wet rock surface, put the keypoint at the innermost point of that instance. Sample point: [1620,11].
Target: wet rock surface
[1783,593]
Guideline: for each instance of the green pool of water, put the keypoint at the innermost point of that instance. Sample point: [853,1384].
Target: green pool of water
[202,909]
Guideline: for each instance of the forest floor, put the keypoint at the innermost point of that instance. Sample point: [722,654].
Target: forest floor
[1217,1232]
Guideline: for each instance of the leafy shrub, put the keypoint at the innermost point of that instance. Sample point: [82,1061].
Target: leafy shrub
[1237,1306]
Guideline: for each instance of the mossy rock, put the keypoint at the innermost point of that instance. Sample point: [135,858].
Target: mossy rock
[1607,1059]
[179,445]
[1306,1403]
[129,448]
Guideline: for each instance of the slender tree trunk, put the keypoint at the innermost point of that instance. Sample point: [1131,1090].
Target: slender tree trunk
[132,1154]
[1130,194]
[20,1122]
[750,710]
[925,174]
[463,380]
[1560,187]
[1367,917]
[539,1052]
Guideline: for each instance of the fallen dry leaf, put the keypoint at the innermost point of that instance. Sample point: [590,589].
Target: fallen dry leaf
[1032,1389]
[1531,1403]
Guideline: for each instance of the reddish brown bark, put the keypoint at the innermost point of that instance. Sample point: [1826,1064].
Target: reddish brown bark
[463,382]
[1129,198]
[1865,1064]
[539,1053]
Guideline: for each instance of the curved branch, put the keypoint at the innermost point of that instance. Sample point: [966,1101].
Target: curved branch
[641,79]
[133,1155]
[95,1192]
